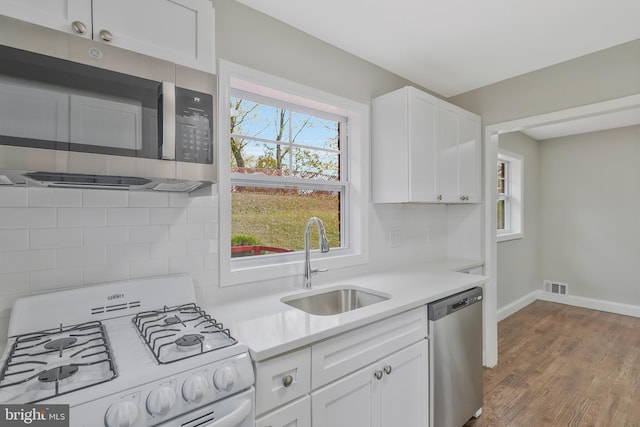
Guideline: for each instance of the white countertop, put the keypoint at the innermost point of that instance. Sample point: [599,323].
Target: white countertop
[269,327]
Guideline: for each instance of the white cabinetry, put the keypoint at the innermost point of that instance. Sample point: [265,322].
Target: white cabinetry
[391,392]
[180,31]
[425,150]
[373,376]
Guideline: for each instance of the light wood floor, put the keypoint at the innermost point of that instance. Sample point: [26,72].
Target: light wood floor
[560,365]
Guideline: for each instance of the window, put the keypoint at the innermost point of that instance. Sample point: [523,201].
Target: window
[288,152]
[285,168]
[509,196]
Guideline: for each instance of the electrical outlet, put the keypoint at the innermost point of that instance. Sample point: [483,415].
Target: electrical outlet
[394,238]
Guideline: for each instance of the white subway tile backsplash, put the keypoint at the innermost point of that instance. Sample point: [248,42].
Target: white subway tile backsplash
[55,197]
[168,216]
[48,238]
[127,253]
[149,268]
[13,196]
[211,230]
[148,199]
[202,215]
[105,198]
[128,216]
[186,231]
[190,265]
[14,283]
[79,257]
[148,233]
[27,217]
[179,200]
[211,263]
[199,247]
[168,249]
[82,217]
[105,273]
[104,236]
[49,280]
[15,262]
[14,240]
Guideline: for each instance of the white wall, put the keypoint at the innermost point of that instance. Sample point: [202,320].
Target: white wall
[518,263]
[590,213]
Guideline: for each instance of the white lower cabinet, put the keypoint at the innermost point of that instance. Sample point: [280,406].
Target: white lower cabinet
[391,392]
[373,376]
[294,414]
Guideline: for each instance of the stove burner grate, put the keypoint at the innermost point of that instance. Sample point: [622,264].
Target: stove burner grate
[37,357]
[176,333]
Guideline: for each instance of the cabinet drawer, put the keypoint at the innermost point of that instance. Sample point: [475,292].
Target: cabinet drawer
[338,356]
[282,379]
[294,414]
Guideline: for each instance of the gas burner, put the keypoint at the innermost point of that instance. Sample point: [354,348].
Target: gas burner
[56,377]
[59,361]
[61,343]
[176,333]
[189,340]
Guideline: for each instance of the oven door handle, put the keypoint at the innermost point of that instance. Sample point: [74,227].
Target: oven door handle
[234,418]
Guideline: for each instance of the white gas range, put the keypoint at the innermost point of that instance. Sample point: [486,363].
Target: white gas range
[129,354]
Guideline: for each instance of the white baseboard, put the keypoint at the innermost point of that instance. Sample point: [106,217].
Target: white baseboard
[518,304]
[594,304]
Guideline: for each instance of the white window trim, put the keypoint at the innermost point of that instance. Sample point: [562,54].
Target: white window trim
[516,200]
[276,267]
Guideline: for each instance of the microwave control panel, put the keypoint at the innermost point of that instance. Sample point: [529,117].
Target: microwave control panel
[194,126]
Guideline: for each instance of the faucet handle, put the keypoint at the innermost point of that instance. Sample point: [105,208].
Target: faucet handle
[319,270]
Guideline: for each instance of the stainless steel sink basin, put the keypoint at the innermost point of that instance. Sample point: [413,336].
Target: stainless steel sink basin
[335,300]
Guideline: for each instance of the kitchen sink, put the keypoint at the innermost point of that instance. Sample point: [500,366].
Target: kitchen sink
[335,300]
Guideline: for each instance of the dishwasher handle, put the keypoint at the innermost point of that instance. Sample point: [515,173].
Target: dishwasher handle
[460,304]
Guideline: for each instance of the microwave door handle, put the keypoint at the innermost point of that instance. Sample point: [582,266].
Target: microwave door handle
[168,121]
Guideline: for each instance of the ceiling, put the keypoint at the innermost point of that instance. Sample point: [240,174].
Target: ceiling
[454,46]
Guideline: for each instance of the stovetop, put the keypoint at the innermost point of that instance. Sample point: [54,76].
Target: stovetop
[104,358]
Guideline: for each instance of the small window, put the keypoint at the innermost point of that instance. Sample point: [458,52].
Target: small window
[286,166]
[509,196]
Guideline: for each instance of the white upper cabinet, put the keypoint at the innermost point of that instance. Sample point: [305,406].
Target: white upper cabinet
[181,31]
[425,150]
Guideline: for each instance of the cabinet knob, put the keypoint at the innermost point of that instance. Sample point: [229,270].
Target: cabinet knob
[78,27]
[387,369]
[105,35]
[439,197]
[378,374]
[287,380]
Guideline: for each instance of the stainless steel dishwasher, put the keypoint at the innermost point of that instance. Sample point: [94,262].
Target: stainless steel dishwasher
[455,329]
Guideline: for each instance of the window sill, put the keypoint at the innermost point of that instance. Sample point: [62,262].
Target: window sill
[508,236]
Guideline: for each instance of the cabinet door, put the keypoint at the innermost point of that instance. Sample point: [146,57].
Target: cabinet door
[423,156]
[56,14]
[353,401]
[181,31]
[448,154]
[405,384]
[295,414]
[470,178]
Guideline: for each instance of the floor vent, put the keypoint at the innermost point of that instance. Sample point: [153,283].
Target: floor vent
[556,287]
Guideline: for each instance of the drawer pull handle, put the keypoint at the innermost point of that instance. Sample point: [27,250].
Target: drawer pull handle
[287,380]
[378,374]
[387,369]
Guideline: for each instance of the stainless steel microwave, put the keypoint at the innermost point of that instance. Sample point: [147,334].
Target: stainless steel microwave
[75,113]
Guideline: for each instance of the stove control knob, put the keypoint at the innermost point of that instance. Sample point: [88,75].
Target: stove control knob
[160,401]
[122,414]
[194,389]
[224,378]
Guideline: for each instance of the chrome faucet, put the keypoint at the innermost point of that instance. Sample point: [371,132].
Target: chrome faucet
[324,247]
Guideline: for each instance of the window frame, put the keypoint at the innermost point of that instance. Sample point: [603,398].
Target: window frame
[513,196]
[234,79]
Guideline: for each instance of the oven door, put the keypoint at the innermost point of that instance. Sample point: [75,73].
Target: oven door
[234,411]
